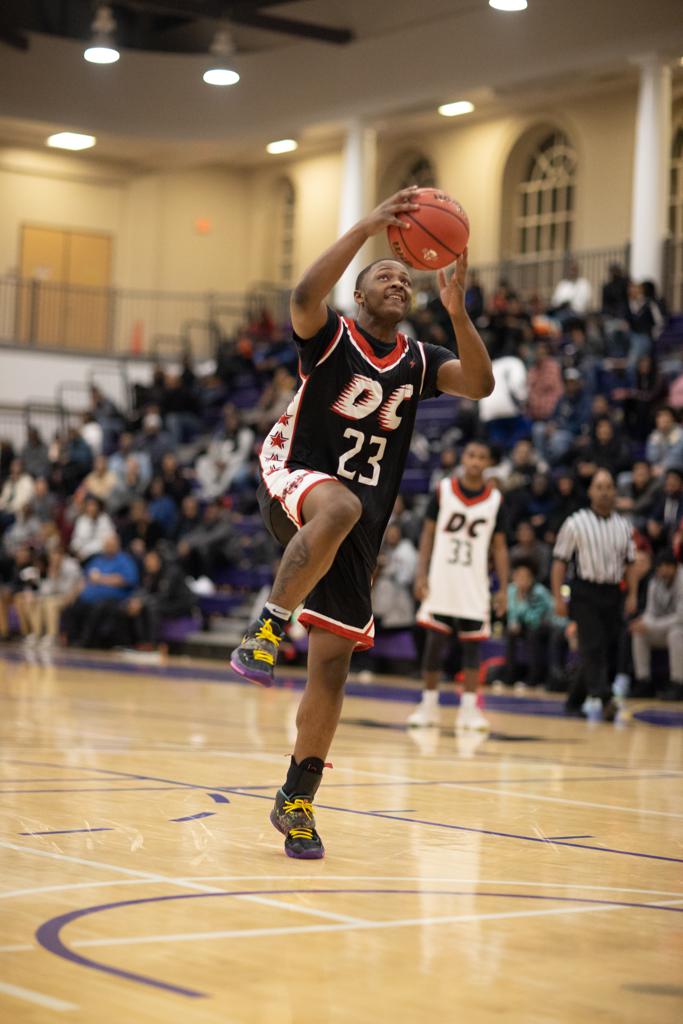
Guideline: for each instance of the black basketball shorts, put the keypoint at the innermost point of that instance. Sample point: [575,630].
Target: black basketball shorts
[341,601]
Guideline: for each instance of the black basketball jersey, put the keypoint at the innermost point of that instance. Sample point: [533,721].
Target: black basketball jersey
[354,412]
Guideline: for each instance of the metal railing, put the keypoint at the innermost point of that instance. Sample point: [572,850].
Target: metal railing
[16,419]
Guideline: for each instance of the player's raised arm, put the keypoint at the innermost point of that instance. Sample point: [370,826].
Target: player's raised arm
[471,375]
[307,304]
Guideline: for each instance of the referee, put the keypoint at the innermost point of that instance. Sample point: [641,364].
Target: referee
[599,544]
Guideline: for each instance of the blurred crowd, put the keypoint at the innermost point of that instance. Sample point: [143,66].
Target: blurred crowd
[116,524]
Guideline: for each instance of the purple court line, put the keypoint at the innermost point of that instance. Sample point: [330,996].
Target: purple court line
[479,831]
[193,817]
[241,791]
[552,839]
[484,782]
[16,782]
[65,832]
[218,798]
[49,936]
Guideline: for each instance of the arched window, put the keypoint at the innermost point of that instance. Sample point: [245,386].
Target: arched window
[283,241]
[545,198]
[410,167]
[676,220]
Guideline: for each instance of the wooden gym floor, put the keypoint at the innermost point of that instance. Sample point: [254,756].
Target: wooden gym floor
[533,878]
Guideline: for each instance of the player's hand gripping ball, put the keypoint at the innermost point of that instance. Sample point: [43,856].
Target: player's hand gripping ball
[439,231]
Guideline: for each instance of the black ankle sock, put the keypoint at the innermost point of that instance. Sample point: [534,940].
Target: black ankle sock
[277,614]
[303,779]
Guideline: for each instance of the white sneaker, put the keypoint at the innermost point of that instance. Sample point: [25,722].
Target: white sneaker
[498,686]
[425,714]
[520,686]
[30,640]
[468,717]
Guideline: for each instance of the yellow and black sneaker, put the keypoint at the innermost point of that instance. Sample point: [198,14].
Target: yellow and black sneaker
[256,656]
[293,816]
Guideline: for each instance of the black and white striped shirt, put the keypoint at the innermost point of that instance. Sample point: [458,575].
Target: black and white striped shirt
[601,546]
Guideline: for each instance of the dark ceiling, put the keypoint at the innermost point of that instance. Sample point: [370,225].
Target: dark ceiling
[170,26]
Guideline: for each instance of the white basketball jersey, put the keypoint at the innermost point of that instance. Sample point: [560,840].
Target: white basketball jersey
[459,568]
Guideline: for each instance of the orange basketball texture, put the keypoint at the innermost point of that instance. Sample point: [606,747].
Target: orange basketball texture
[438,233]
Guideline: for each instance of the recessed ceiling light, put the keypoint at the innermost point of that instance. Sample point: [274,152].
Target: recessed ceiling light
[283,146]
[508,5]
[221,76]
[457,108]
[71,140]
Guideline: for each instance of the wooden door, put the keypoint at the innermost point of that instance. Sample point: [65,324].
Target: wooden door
[64,297]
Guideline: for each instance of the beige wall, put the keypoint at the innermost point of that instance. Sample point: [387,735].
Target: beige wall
[153,216]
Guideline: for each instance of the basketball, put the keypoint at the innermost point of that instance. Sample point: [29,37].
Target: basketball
[438,231]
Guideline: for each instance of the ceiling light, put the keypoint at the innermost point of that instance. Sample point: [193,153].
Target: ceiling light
[71,140]
[457,108]
[283,146]
[102,49]
[222,48]
[508,5]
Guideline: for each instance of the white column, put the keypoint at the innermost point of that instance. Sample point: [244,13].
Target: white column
[651,168]
[357,199]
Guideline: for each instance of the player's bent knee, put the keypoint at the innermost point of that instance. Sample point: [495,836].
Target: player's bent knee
[344,511]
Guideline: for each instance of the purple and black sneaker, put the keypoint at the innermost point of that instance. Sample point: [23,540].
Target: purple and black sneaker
[256,656]
[293,816]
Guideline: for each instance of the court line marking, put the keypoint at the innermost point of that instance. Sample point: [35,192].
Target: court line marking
[560,800]
[248,933]
[267,902]
[28,995]
[429,880]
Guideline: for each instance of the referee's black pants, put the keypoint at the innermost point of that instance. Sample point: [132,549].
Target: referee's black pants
[597,609]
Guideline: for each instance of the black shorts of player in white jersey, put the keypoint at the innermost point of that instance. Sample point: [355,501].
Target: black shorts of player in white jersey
[351,421]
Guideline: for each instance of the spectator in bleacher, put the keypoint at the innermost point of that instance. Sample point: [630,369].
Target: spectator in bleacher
[665,440]
[131,487]
[110,578]
[190,517]
[474,297]
[502,412]
[91,529]
[572,296]
[118,462]
[646,318]
[101,481]
[392,591]
[139,532]
[227,455]
[636,494]
[234,360]
[162,507]
[544,383]
[45,503]
[108,416]
[408,517]
[517,470]
[59,587]
[92,434]
[274,400]
[22,583]
[24,531]
[163,594]
[154,441]
[615,293]
[71,460]
[16,493]
[666,511]
[34,454]
[535,503]
[179,409]
[554,438]
[211,545]
[7,454]
[530,550]
[176,484]
[568,499]
[607,449]
[530,619]
[646,389]
[660,626]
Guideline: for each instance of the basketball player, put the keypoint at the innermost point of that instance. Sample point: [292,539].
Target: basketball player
[464,519]
[331,468]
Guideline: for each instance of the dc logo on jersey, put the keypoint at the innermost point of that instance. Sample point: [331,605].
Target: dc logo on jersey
[362,396]
[459,522]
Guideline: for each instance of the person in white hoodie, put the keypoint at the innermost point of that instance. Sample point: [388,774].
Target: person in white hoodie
[90,530]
